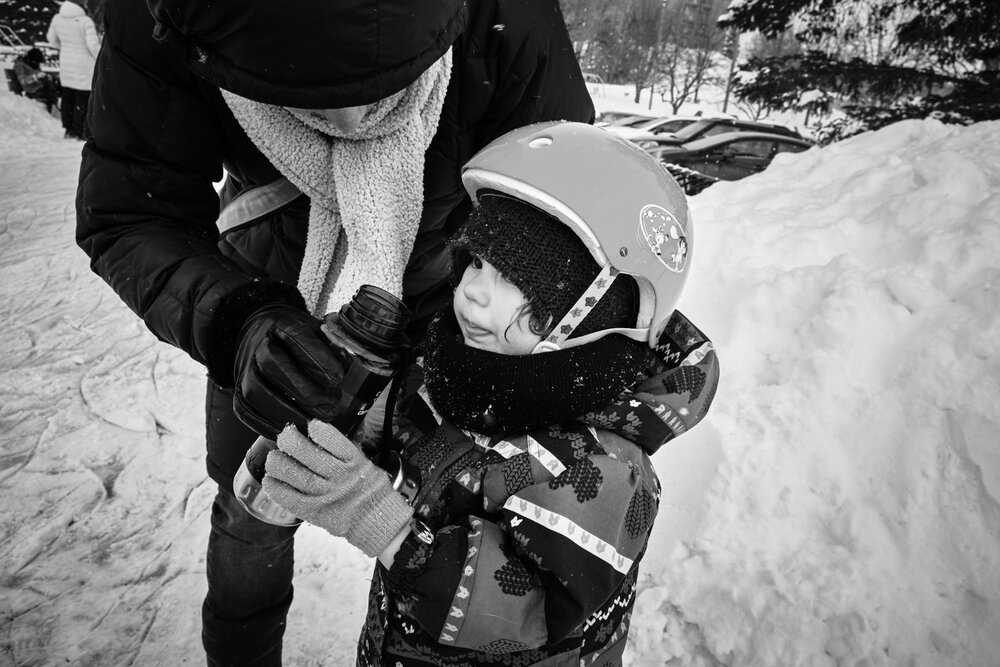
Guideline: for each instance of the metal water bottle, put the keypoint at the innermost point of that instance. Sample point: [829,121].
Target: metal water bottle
[367,335]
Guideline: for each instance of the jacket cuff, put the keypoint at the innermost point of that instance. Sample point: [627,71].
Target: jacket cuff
[230,316]
[409,564]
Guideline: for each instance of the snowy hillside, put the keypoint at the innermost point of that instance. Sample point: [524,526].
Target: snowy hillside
[838,506]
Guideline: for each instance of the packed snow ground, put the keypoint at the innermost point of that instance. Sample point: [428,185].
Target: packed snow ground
[839,505]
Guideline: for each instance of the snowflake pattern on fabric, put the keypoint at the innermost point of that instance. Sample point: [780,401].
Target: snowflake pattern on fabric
[580,443]
[520,543]
[489,458]
[370,646]
[613,620]
[605,420]
[460,603]
[686,379]
[427,454]
[517,473]
[709,399]
[585,478]
[502,646]
[640,513]
[632,426]
[514,579]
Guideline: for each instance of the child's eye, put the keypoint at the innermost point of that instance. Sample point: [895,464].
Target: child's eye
[476,263]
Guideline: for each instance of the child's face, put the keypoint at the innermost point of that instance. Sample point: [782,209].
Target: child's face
[489,311]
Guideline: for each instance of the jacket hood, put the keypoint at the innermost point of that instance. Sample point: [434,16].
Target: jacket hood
[310,53]
[71,10]
[675,395]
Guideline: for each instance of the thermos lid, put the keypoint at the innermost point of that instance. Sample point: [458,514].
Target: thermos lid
[375,317]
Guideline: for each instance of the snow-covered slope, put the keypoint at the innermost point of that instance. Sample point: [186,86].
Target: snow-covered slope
[839,505]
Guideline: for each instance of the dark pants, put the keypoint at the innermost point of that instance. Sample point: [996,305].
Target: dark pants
[73,108]
[249,562]
[46,94]
[249,568]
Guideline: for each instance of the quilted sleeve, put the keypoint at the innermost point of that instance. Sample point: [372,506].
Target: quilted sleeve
[146,205]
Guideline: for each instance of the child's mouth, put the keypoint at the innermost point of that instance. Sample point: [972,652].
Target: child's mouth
[473,333]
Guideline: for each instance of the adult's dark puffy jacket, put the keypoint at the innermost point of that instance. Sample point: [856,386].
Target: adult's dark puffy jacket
[146,205]
[161,133]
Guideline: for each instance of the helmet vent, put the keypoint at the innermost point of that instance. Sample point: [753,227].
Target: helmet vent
[540,142]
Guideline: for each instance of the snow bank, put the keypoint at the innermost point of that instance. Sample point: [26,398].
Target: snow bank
[23,123]
[837,507]
[852,293]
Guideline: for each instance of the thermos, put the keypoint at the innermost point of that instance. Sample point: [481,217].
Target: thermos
[367,335]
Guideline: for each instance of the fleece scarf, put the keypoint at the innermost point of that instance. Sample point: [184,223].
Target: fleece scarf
[366,188]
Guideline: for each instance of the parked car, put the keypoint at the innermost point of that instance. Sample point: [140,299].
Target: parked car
[642,131]
[727,157]
[701,128]
[623,118]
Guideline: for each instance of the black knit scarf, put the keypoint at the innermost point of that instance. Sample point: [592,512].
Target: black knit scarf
[498,394]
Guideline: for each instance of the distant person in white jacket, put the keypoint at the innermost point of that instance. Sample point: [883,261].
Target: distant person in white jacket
[74,34]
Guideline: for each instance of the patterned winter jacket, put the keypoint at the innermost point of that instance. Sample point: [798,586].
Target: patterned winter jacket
[537,538]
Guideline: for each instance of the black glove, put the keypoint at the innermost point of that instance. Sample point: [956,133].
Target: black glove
[286,371]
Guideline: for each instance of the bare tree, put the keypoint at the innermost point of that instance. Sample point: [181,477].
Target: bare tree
[682,73]
[671,44]
[586,20]
[690,45]
[632,43]
[752,110]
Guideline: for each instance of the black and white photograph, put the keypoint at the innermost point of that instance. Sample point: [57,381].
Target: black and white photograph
[496,333]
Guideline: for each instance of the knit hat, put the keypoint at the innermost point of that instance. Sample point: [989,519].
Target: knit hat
[544,259]
[34,57]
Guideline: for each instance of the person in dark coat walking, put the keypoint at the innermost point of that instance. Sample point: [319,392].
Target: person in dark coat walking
[163,133]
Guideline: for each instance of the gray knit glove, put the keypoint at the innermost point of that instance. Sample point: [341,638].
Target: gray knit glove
[326,480]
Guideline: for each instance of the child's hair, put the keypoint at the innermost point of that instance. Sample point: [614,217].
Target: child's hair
[34,56]
[538,323]
[545,260]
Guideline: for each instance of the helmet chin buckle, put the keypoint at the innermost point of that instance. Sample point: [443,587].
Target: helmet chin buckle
[545,346]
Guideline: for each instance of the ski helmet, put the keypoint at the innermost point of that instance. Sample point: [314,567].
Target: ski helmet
[625,207]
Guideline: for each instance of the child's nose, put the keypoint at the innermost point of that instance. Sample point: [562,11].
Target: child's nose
[478,288]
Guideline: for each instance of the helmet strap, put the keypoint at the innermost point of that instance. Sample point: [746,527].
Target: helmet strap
[641,335]
[579,310]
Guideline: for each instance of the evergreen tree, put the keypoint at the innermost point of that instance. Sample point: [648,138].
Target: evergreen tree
[882,60]
[29,19]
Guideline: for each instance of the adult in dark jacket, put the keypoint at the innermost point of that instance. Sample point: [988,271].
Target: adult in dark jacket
[147,210]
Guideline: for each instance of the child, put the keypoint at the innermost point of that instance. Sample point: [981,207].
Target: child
[560,367]
[35,83]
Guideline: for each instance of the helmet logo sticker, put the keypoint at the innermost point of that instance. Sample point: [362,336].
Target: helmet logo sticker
[664,235]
